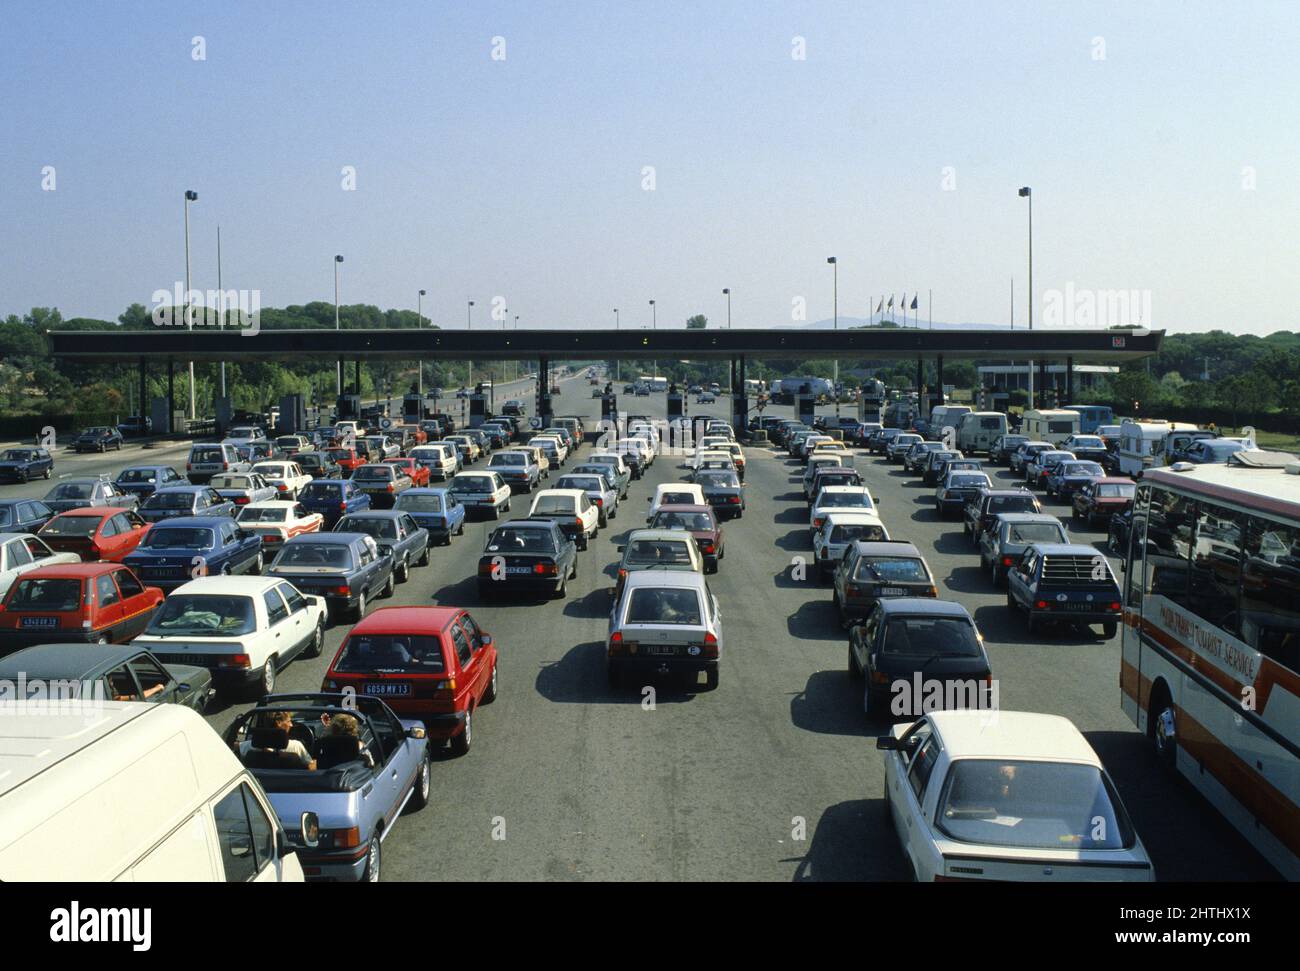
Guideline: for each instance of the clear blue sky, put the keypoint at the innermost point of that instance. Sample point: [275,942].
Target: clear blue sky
[522,178]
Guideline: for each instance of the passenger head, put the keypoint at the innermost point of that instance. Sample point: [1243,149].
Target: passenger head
[343,725]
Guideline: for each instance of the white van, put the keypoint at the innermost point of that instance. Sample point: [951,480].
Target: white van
[979,430]
[1137,445]
[95,791]
[1053,425]
[946,416]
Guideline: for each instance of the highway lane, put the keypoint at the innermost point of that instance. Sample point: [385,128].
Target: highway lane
[771,777]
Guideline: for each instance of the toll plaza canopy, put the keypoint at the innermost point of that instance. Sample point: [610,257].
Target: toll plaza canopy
[205,343]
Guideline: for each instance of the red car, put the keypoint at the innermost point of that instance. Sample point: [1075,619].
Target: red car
[347,460]
[701,523]
[1100,499]
[419,473]
[431,663]
[95,533]
[92,603]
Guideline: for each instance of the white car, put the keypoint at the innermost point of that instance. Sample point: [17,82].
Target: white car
[839,528]
[21,552]
[637,447]
[675,494]
[277,521]
[711,455]
[649,440]
[243,629]
[244,434]
[561,450]
[440,458]
[572,510]
[709,442]
[838,498]
[810,443]
[287,477]
[468,448]
[1006,795]
[481,490]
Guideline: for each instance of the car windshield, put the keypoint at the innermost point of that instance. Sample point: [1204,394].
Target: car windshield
[554,506]
[645,552]
[891,569]
[931,637]
[1026,533]
[968,481]
[667,606]
[472,483]
[46,594]
[199,615]
[273,471]
[329,555]
[1116,490]
[179,537]
[1081,468]
[72,490]
[513,539]
[408,653]
[379,528]
[252,514]
[1034,805]
[683,520]
[419,503]
[1223,448]
[97,430]
[18,455]
[1001,504]
[71,526]
[848,532]
[1088,441]
[323,492]
[169,500]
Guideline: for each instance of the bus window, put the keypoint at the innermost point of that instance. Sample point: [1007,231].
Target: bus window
[1216,567]
[1270,595]
[1170,519]
[1137,542]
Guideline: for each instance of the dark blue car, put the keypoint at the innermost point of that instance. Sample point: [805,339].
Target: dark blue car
[187,547]
[347,569]
[23,515]
[397,535]
[333,499]
[145,480]
[24,464]
[188,500]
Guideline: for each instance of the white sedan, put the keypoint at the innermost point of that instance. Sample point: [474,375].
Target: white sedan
[839,528]
[21,552]
[839,499]
[481,490]
[1001,795]
[287,477]
[277,521]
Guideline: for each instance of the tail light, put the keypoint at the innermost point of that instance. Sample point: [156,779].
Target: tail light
[622,574]
[710,646]
[852,590]
[342,591]
[234,661]
[878,677]
[545,569]
[617,647]
[343,507]
[390,487]
[1041,605]
[598,502]
[241,500]
[707,548]
[339,839]
[1006,561]
[933,591]
[1114,606]
[282,487]
[225,466]
[484,568]
[819,522]
[445,690]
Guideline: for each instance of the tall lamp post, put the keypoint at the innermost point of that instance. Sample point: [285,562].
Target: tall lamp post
[727,291]
[469,325]
[618,362]
[1025,193]
[190,196]
[835,303]
[337,260]
[419,360]
[654,325]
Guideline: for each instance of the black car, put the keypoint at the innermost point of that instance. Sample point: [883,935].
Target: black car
[318,465]
[396,534]
[23,515]
[1065,583]
[135,426]
[1117,532]
[910,648]
[109,672]
[100,438]
[990,503]
[24,464]
[723,491]
[347,569]
[527,556]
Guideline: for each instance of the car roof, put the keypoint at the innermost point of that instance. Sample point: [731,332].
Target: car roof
[374,514]
[843,490]
[188,488]
[1027,517]
[271,504]
[842,516]
[661,535]
[94,511]
[684,507]
[527,523]
[665,578]
[1115,480]
[886,548]
[972,733]
[573,494]
[335,539]
[923,605]
[73,661]
[207,522]
[1065,549]
[68,571]
[406,620]
[328,482]
[426,491]
[226,586]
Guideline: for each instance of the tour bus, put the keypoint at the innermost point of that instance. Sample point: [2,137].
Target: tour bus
[978,430]
[1210,649]
[1053,425]
[1091,416]
[1139,442]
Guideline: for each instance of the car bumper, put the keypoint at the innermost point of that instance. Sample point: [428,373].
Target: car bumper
[518,585]
[1079,616]
[649,666]
[14,640]
[345,866]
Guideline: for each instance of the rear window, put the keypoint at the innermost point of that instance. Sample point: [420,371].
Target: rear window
[204,616]
[931,637]
[71,526]
[867,532]
[508,458]
[307,555]
[252,514]
[674,498]
[169,500]
[673,607]
[553,506]
[419,503]
[1060,426]
[379,528]
[374,473]
[46,594]
[1001,504]
[891,569]
[990,424]
[510,539]
[968,481]
[179,537]
[472,483]
[1110,490]
[839,500]
[683,520]
[137,475]
[323,491]
[207,455]
[414,654]
[1025,533]
[72,490]
[646,552]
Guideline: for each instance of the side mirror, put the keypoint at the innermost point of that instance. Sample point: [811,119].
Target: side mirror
[887,743]
[309,828]
[417,732]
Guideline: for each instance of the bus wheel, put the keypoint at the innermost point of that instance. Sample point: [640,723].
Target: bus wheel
[1164,729]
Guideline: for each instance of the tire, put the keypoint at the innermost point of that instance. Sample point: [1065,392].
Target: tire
[496,512]
[258,564]
[317,641]
[45,474]
[584,542]
[389,587]
[420,791]
[490,695]
[1109,629]
[460,530]
[1164,730]
[424,557]
[711,678]
[562,590]
[266,685]
[359,611]
[403,571]
[374,855]
[855,669]
[1011,602]
[460,744]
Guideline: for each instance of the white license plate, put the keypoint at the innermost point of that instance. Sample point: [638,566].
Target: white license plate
[388,689]
[40,622]
[519,569]
[668,649]
[892,591]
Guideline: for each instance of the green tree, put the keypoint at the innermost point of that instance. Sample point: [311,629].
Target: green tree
[698,322]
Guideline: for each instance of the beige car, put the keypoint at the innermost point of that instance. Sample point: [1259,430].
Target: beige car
[539,457]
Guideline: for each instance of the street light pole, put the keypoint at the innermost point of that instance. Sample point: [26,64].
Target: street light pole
[618,362]
[419,360]
[221,297]
[654,325]
[727,291]
[835,302]
[469,325]
[190,196]
[1025,193]
[337,260]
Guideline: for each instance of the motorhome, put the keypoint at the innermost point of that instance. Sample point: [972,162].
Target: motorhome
[1138,445]
[978,430]
[1053,425]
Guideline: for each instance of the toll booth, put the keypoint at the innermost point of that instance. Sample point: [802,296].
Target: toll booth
[609,406]
[293,415]
[412,409]
[544,407]
[158,416]
[676,403]
[477,409]
[223,409]
[806,406]
[739,411]
[347,407]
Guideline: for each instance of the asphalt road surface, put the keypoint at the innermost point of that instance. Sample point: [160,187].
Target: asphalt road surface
[773,776]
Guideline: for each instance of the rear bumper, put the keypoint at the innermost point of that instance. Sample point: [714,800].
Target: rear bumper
[651,666]
[13,640]
[1079,616]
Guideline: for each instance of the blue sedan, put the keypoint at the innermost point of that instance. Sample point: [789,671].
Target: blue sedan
[436,510]
[189,500]
[145,480]
[333,499]
[187,547]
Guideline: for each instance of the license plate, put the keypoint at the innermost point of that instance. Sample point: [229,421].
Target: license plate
[519,570]
[662,649]
[891,592]
[1077,606]
[40,622]
[388,689]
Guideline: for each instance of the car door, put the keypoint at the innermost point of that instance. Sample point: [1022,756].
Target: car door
[246,836]
[1020,578]
[137,605]
[480,664]
[915,832]
[300,629]
[279,628]
[120,685]
[155,684]
[467,687]
[107,619]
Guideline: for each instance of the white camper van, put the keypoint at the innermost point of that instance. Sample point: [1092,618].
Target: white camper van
[1053,425]
[979,430]
[1138,443]
[94,791]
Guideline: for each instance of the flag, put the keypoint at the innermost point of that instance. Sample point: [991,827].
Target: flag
[882,305]
[914,303]
[891,301]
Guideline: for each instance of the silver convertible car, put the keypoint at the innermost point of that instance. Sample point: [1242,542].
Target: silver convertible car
[349,760]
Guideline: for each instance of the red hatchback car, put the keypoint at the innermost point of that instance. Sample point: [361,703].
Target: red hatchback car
[419,473]
[431,663]
[89,603]
[95,533]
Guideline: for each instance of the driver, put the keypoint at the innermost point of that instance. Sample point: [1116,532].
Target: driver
[283,720]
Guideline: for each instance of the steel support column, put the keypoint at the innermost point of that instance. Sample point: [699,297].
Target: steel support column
[1042,381]
[171,396]
[1069,381]
[144,405]
[938,378]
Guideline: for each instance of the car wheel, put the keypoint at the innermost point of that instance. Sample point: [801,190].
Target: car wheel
[1164,731]
[424,557]
[460,530]
[1109,629]
[45,474]
[855,670]
[404,571]
[1112,542]
[496,512]
[373,854]
[711,678]
[460,743]
[420,791]
[490,695]
[360,610]
[259,563]
[582,544]
[868,710]
[266,684]
[1031,622]
[562,590]
[1011,601]
[317,641]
